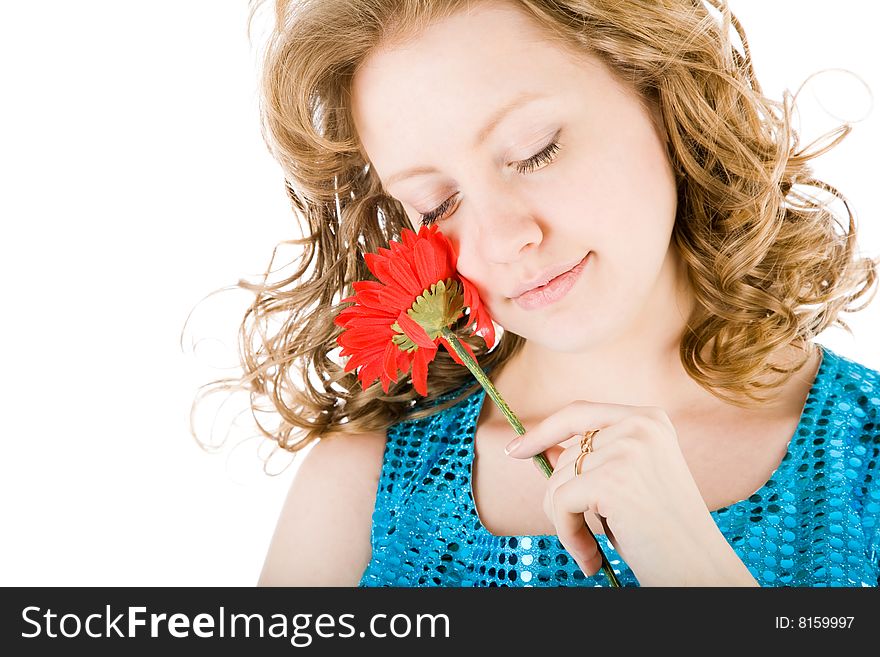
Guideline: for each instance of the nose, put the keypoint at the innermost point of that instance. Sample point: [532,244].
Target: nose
[507,227]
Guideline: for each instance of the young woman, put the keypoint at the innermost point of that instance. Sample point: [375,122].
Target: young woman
[642,225]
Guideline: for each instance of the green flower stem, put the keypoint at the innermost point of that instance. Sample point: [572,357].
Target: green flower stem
[539,459]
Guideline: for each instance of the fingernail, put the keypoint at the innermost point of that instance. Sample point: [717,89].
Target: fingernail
[512,445]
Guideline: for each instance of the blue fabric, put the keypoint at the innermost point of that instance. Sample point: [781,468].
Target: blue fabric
[814,523]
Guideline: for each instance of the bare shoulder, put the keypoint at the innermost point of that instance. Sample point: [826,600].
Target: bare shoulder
[323,533]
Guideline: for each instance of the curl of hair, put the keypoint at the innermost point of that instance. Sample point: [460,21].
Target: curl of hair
[768,267]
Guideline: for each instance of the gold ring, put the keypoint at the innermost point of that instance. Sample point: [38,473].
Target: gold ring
[586,448]
[587,441]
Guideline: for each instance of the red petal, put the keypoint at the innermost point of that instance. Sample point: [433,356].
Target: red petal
[394,299]
[359,310]
[370,321]
[365,338]
[420,370]
[389,361]
[404,360]
[455,355]
[397,249]
[346,316]
[409,238]
[370,372]
[443,248]
[376,300]
[363,286]
[380,268]
[479,314]
[415,332]
[360,357]
[404,275]
[429,264]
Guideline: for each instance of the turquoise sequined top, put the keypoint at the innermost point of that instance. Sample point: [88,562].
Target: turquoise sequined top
[816,522]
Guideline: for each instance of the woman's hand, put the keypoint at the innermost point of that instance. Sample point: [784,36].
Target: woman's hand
[636,480]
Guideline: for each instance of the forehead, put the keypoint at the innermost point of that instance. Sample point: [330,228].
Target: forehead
[421,95]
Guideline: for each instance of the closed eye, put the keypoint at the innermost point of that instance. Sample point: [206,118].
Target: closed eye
[545,156]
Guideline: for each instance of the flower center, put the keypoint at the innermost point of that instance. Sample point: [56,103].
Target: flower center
[433,310]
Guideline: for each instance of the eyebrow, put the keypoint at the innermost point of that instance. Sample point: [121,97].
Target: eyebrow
[513,104]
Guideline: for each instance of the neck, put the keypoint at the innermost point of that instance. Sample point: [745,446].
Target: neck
[631,371]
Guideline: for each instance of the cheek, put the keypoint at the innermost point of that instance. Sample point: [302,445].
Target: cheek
[633,214]
[470,266]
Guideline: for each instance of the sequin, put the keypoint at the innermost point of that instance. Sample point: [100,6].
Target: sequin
[816,522]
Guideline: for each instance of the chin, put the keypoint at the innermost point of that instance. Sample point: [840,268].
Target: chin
[568,335]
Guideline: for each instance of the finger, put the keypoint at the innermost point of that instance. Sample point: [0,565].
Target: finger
[574,418]
[569,503]
[565,464]
[602,450]
[564,473]
[553,454]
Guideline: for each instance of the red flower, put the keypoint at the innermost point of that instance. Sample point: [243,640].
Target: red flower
[395,323]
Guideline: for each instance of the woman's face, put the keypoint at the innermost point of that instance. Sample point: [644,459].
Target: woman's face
[535,160]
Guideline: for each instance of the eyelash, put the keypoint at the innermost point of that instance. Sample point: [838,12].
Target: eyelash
[546,155]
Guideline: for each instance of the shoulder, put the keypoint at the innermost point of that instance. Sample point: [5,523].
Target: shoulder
[323,534]
[849,369]
[851,389]
[845,414]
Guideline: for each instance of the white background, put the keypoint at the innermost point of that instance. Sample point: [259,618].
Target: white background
[135,182]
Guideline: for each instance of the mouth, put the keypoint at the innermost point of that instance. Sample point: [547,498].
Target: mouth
[554,289]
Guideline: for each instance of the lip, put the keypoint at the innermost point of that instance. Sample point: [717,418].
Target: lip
[546,276]
[553,289]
